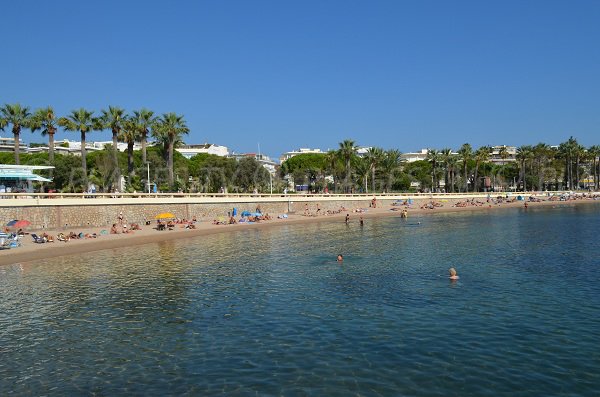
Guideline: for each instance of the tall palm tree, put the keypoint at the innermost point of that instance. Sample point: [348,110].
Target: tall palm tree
[503,154]
[466,154]
[374,157]
[331,165]
[129,133]
[594,152]
[579,152]
[452,164]
[347,151]
[113,119]
[482,155]
[145,118]
[524,154]
[541,153]
[445,157]
[18,116]
[363,167]
[81,120]
[45,120]
[169,127]
[392,160]
[433,156]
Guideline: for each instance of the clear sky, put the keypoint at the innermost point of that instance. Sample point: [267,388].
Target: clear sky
[310,73]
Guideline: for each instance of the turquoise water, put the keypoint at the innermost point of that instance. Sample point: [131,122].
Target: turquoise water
[270,312]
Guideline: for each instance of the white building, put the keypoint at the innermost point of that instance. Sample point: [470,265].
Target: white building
[264,160]
[411,157]
[497,159]
[288,155]
[8,145]
[189,151]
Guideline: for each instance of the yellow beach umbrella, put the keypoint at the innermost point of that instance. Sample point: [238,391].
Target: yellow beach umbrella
[165,215]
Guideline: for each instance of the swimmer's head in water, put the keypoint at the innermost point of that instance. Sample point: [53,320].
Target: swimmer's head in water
[452,271]
[340,257]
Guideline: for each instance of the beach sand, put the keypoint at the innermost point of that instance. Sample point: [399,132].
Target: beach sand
[31,251]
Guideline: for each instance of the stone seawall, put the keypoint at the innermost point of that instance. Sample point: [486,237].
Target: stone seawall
[104,215]
[71,211]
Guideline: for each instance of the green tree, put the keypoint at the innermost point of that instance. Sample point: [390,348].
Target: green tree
[332,164]
[433,157]
[129,133]
[18,116]
[45,120]
[523,156]
[145,119]
[113,119]
[392,160]
[374,157]
[465,154]
[249,175]
[81,120]
[347,152]
[169,128]
[594,152]
[482,155]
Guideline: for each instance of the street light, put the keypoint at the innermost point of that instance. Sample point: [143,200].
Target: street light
[148,178]
[271,182]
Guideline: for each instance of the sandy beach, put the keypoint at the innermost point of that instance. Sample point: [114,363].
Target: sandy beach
[31,251]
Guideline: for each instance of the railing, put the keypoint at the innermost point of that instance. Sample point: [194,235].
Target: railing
[39,196]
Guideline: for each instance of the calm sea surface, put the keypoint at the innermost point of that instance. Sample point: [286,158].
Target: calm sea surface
[270,312]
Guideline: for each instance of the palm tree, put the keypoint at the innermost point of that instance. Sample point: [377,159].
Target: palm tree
[331,164]
[524,154]
[482,155]
[18,116]
[145,118]
[129,134]
[113,119]
[347,152]
[503,154]
[391,162]
[541,152]
[45,120]
[81,120]
[445,157]
[374,157]
[465,153]
[363,167]
[433,156]
[594,152]
[451,164]
[169,127]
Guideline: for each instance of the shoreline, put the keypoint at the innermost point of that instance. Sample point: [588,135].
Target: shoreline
[30,251]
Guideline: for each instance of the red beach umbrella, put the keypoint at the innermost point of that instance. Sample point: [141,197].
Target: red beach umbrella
[20,224]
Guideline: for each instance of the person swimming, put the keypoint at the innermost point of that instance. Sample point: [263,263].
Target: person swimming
[340,258]
[453,275]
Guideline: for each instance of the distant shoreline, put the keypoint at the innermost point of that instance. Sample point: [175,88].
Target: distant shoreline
[31,251]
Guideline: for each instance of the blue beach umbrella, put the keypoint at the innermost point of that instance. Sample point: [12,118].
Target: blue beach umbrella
[11,223]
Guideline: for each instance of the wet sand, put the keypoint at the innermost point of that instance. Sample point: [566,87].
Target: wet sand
[30,251]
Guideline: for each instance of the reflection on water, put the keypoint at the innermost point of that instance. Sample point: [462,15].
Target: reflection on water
[272,312]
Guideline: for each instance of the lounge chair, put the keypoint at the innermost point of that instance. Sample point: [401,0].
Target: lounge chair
[37,239]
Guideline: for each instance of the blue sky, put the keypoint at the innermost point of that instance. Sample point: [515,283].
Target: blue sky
[289,74]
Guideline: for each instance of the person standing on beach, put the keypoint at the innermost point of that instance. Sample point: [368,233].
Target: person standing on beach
[120,218]
[347,218]
[362,223]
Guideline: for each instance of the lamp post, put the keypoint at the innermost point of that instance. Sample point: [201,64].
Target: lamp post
[271,182]
[148,176]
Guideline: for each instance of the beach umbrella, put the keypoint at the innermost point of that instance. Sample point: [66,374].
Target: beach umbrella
[11,223]
[165,215]
[21,224]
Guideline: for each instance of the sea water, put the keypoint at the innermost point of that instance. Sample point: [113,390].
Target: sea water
[271,311]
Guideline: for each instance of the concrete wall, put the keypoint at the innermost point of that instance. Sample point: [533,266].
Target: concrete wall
[65,213]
